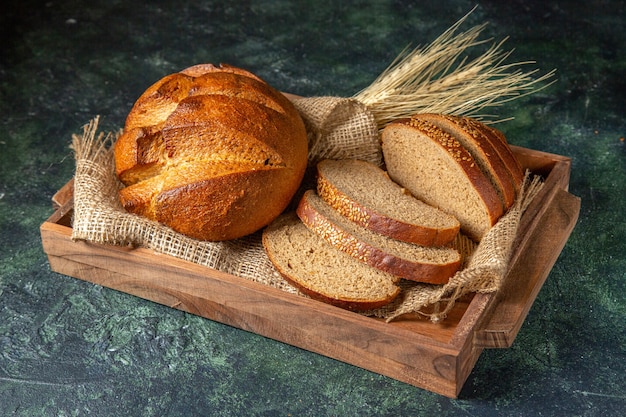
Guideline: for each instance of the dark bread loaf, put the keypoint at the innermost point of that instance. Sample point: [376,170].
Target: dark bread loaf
[363,193]
[324,273]
[212,152]
[433,265]
[437,169]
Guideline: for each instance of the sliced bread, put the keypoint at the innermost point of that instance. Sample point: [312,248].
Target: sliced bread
[324,273]
[434,265]
[437,169]
[363,193]
[480,147]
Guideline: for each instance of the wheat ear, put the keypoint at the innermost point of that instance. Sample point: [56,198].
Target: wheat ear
[440,79]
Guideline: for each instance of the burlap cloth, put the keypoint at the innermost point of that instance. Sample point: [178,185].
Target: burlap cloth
[337,128]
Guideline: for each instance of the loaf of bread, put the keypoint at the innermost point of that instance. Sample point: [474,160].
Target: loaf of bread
[324,273]
[213,152]
[433,265]
[363,193]
[456,164]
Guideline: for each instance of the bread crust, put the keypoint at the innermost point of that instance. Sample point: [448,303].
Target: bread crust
[212,152]
[335,235]
[369,218]
[500,144]
[270,239]
[488,196]
[469,133]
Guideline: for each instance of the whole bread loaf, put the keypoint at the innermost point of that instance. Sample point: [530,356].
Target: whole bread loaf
[213,152]
[435,166]
[363,193]
[324,273]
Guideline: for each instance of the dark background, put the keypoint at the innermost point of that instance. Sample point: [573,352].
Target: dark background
[71,348]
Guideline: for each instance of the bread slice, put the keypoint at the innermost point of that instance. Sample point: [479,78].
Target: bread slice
[324,273]
[363,193]
[434,265]
[480,147]
[438,170]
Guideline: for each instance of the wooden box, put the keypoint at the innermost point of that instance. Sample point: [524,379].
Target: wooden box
[436,357]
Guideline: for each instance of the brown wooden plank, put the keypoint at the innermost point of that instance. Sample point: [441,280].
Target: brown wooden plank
[538,162]
[65,194]
[529,272]
[386,349]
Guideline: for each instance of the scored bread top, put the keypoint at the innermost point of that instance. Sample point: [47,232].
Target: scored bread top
[433,265]
[481,149]
[212,152]
[324,273]
[436,168]
[363,193]
[204,118]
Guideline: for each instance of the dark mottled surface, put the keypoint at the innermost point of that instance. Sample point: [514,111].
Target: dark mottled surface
[69,348]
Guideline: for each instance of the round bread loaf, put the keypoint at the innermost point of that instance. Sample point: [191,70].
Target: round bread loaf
[213,152]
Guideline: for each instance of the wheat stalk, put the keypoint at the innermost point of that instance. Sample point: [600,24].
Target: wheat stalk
[439,79]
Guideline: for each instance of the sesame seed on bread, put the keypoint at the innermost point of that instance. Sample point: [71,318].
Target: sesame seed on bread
[437,169]
[500,144]
[481,149]
[434,265]
[363,193]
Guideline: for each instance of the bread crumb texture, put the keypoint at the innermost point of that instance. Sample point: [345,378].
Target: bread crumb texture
[437,168]
[363,193]
[307,261]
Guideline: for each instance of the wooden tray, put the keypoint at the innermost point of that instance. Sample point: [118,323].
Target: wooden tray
[437,357]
